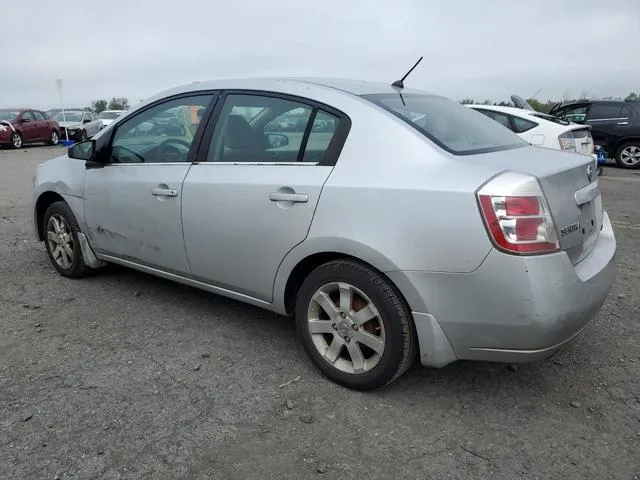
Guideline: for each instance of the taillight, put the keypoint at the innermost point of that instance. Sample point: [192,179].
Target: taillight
[517,215]
[567,142]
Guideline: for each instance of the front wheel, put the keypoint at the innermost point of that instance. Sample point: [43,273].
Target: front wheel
[61,238]
[628,155]
[54,138]
[82,136]
[15,140]
[354,326]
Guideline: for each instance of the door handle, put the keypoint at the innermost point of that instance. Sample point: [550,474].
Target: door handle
[164,192]
[288,197]
[623,123]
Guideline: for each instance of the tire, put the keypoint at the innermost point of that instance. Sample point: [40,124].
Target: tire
[67,261]
[390,331]
[628,155]
[54,138]
[15,141]
[82,136]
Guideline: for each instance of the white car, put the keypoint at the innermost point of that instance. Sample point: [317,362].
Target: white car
[541,129]
[108,116]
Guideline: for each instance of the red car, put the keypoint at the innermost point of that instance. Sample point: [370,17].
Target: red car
[19,126]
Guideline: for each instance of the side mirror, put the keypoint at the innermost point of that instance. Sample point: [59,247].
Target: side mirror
[83,150]
[276,140]
[86,120]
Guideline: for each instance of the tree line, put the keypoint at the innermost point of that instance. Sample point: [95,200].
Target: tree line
[545,106]
[116,103]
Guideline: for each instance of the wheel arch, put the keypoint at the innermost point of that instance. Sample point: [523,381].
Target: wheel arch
[621,141]
[304,259]
[44,200]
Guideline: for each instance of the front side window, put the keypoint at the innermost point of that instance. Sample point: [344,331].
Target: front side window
[575,114]
[269,129]
[28,116]
[161,134]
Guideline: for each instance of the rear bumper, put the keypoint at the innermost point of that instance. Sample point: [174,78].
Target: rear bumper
[512,308]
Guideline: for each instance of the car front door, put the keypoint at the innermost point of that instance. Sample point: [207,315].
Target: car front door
[29,127]
[251,197]
[133,203]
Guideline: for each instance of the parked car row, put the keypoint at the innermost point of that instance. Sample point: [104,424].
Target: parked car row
[581,127]
[403,226]
[20,126]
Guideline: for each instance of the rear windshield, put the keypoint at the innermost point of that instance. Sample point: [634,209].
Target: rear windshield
[551,118]
[454,127]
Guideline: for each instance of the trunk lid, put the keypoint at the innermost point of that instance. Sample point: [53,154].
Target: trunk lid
[569,182]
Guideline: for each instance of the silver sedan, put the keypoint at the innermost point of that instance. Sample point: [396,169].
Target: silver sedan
[391,223]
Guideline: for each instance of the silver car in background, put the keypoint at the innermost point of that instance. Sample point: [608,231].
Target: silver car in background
[108,116]
[391,223]
[79,125]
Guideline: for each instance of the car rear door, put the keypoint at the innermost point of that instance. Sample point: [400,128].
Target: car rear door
[133,204]
[609,122]
[251,197]
[41,125]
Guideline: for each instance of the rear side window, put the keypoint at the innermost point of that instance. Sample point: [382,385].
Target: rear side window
[458,129]
[603,112]
[521,125]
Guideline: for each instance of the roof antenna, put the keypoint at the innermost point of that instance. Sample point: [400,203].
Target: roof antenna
[400,83]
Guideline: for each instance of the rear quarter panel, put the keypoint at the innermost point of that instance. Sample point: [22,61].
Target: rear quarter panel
[397,202]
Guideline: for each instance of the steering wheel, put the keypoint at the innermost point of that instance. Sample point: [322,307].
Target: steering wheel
[173,150]
[128,150]
[175,140]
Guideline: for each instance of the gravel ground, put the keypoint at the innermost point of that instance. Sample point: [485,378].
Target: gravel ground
[123,375]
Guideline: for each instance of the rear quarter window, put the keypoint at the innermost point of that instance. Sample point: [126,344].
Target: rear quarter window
[521,125]
[455,128]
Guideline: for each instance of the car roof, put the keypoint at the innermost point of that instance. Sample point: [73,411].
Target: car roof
[350,86]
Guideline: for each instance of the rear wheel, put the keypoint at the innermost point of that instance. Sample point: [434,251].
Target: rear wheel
[61,238]
[15,140]
[354,326]
[628,155]
[54,138]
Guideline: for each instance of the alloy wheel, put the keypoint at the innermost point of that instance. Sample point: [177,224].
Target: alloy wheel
[630,155]
[60,241]
[16,140]
[346,328]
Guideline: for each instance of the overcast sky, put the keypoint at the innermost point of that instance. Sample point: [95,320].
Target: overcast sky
[472,48]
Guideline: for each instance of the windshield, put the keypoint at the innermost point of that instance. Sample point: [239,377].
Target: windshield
[69,117]
[8,115]
[109,115]
[457,129]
